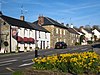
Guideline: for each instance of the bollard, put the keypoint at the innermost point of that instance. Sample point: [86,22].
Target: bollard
[36,53]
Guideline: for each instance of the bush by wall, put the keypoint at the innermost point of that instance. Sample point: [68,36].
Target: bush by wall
[77,43]
[76,63]
[89,42]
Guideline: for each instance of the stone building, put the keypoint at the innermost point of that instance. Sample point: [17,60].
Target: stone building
[58,32]
[74,36]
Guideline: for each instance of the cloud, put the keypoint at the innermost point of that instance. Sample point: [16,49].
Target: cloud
[73,8]
[84,7]
[85,17]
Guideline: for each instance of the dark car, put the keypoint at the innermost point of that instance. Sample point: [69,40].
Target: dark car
[60,45]
[96,46]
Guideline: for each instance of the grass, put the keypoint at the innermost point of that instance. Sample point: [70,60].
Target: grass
[18,73]
[32,71]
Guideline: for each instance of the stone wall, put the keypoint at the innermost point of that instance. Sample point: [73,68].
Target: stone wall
[5,36]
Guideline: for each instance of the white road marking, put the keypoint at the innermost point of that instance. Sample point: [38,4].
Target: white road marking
[10,69]
[84,49]
[27,64]
[5,64]
[8,61]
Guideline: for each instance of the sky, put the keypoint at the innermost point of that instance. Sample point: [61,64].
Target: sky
[77,12]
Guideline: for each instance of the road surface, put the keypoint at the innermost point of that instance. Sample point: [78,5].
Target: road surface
[11,63]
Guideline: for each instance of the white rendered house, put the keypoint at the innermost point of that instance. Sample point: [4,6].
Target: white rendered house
[42,39]
[97,33]
[88,34]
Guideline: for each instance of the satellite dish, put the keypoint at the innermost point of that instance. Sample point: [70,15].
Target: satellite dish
[5,43]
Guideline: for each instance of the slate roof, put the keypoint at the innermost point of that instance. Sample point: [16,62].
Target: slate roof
[16,22]
[89,30]
[49,21]
[97,29]
[79,30]
[72,30]
[38,27]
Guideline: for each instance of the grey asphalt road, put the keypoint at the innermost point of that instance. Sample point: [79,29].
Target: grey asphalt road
[11,63]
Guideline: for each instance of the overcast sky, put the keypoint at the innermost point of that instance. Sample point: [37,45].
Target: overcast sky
[77,12]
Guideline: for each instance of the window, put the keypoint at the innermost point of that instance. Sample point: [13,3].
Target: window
[60,31]
[64,32]
[4,23]
[57,39]
[60,39]
[72,41]
[47,44]
[64,40]
[39,34]
[57,30]
[45,36]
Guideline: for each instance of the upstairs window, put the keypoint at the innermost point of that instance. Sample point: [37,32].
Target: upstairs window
[57,30]
[4,23]
[39,34]
[57,40]
[60,31]
[45,36]
[64,32]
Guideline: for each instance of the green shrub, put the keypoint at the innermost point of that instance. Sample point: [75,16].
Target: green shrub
[77,43]
[89,42]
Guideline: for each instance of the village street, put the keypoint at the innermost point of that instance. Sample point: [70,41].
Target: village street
[11,63]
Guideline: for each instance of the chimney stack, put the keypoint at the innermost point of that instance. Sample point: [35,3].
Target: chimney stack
[0,13]
[71,25]
[62,23]
[22,18]
[40,20]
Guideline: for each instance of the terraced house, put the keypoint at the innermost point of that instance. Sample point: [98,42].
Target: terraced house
[19,35]
[58,32]
[74,36]
[88,33]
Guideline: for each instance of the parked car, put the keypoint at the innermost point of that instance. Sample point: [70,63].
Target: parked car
[60,45]
[96,46]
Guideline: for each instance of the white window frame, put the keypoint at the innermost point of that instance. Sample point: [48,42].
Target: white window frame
[64,32]
[57,30]
[60,31]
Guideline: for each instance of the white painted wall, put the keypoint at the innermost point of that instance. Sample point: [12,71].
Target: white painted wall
[43,37]
[21,34]
[32,35]
[97,33]
[87,35]
[26,34]
[13,41]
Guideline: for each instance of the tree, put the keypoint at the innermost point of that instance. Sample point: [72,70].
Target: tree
[82,37]
[87,27]
[96,27]
[95,38]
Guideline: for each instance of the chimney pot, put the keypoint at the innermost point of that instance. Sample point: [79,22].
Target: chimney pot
[22,18]
[40,20]
[0,13]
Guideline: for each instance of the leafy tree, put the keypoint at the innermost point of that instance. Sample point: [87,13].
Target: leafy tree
[82,37]
[95,27]
[95,38]
[87,27]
